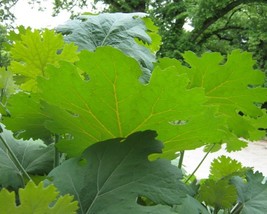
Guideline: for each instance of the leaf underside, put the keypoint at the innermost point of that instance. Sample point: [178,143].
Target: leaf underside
[117,172]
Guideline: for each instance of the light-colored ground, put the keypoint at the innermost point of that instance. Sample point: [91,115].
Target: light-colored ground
[255,155]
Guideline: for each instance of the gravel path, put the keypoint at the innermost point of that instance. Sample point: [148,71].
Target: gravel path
[255,155]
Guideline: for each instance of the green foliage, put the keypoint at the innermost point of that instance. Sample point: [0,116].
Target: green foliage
[224,167]
[191,205]
[152,31]
[117,171]
[7,88]
[252,193]
[117,30]
[34,50]
[37,199]
[35,157]
[218,190]
[116,113]
[235,90]
[4,55]
[94,109]
[219,194]
[29,120]
[155,105]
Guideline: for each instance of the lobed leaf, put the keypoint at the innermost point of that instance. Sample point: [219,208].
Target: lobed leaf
[110,175]
[224,167]
[35,157]
[113,103]
[233,86]
[219,194]
[252,193]
[118,30]
[34,50]
[37,199]
[27,119]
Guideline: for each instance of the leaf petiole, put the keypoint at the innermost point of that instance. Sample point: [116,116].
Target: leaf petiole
[200,163]
[18,164]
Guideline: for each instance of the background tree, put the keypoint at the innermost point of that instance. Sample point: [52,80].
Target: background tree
[4,56]
[216,25]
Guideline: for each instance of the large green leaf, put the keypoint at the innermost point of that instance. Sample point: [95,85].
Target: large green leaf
[27,119]
[111,175]
[113,103]
[34,50]
[37,200]
[35,157]
[252,193]
[233,86]
[117,29]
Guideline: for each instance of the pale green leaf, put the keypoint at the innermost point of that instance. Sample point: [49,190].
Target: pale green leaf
[34,50]
[152,31]
[223,167]
[219,194]
[110,175]
[7,84]
[37,200]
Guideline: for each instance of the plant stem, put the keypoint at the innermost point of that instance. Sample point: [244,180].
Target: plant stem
[200,163]
[237,208]
[181,160]
[57,153]
[18,164]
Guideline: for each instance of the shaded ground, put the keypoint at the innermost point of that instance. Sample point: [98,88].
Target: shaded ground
[255,155]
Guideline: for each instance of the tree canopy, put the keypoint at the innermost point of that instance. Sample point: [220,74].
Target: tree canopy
[216,25]
[4,57]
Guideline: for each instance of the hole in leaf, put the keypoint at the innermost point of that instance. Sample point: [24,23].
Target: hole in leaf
[145,201]
[82,162]
[72,113]
[178,122]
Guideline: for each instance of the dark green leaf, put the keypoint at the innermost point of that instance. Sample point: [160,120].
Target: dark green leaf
[252,193]
[118,30]
[110,175]
[35,157]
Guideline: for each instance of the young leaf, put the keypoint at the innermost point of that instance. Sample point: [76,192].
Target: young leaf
[219,194]
[152,31]
[118,30]
[37,199]
[34,156]
[34,50]
[113,103]
[224,167]
[252,193]
[111,175]
[6,83]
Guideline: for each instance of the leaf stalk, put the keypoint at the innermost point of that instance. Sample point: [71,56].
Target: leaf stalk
[18,164]
[200,163]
